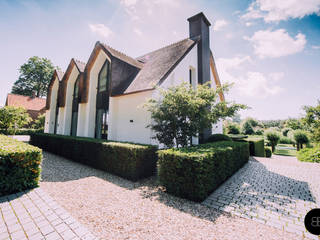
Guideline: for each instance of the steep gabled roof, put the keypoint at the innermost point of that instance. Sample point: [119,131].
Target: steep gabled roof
[80,66]
[29,103]
[56,74]
[159,64]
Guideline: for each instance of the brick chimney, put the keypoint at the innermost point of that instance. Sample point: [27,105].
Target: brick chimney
[199,30]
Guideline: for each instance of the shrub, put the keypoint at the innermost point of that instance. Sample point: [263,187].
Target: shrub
[232,128]
[256,146]
[246,128]
[259,131]
[285,131]
[195,172]
[285,140]
[131,161]
[268,152]
[21,131]
[19,166]
[218,137]
[309,155]
[273,138]
[300,138]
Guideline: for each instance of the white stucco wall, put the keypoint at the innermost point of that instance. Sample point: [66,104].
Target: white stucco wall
[60,125]
[46,122]
[69,98]
[50,114]
[126,108]
[129,107]
[87,111]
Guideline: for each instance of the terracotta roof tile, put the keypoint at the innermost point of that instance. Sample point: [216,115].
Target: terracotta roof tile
[28,103]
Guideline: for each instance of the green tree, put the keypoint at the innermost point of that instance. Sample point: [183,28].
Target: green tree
[35,76]
[232,128]
[300,138]
[293,123]
[12,118]
[39,122]
[312,119]
[183,112]
[273,137]
[246,126]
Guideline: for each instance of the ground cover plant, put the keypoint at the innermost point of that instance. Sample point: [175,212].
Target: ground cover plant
[309,154]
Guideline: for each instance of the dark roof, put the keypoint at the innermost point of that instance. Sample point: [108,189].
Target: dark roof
[29,103]
[157,65]
[80,65]
[122,56]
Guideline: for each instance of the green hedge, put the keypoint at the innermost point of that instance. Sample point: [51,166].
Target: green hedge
[256,146]
[195,172]
[19,166]
[131,161]
[218,137]
[21,131]
[268,152]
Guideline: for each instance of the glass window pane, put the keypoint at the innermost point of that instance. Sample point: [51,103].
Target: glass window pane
[103,78]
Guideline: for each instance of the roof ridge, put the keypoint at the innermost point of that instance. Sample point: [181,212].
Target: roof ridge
[76,60]
[170,45]
[108,46]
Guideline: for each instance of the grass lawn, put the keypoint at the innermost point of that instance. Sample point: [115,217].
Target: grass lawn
[285,150]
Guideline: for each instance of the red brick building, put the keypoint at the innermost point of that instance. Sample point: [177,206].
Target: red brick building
[34,105]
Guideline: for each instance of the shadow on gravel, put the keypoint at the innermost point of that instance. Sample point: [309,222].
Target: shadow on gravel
[252,182]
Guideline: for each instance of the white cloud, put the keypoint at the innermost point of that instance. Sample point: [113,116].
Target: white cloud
[128,3]
[219,24]
[315,47]
[249,84]
[277,43]
[137,31]
[248,24]
[101,30]
[277,10]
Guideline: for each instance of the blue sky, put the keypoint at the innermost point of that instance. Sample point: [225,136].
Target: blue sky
[269,49]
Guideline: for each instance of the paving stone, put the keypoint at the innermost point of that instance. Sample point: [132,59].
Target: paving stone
[270,191]
[33,215]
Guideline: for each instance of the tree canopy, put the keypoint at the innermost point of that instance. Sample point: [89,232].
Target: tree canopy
[183,112]
[312,119]
[35,76]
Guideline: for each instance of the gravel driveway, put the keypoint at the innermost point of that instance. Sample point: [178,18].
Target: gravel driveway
[114,208]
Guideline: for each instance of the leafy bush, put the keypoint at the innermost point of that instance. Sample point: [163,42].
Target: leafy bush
[195,172]
[273,138]
[131,161]
[247,129]
[309,155]
[268,152]
[300,138]
[232,128]
[19,166]
[259,131]
[21,131]
[285,131]
[12,117]
[218,137]
[285,140]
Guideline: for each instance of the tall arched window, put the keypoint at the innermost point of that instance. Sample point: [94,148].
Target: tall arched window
[75,107]
[102,103]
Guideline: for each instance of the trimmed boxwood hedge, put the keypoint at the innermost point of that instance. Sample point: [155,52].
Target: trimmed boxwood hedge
[127,160]
[195,172]
[19,166]
[268,152]
[256,146]
[218,137]
[21,131]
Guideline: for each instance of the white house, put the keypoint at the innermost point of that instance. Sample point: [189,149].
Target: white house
[103,98]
